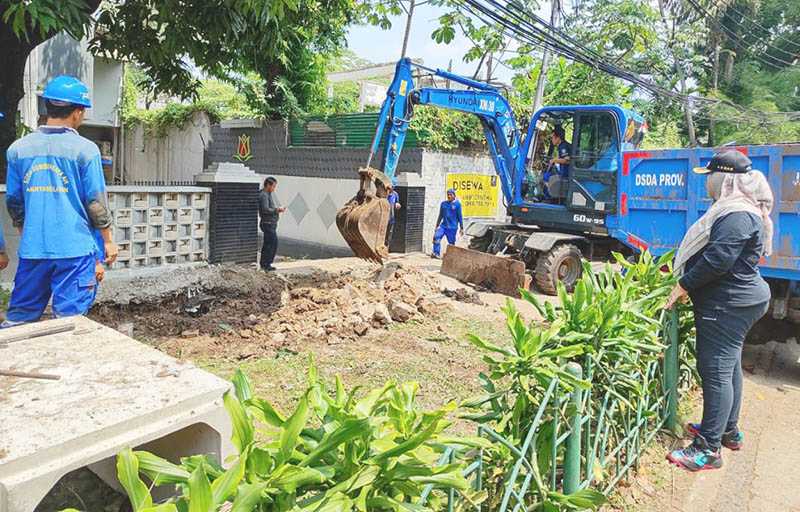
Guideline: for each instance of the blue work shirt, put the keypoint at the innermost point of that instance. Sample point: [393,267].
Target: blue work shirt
[2,241]
[450,215]
[53,174]
[393,197]
[564,151]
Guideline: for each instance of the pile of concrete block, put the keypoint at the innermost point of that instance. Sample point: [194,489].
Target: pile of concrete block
[159,225]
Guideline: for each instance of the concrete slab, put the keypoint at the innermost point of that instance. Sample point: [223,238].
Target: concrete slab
[114,392]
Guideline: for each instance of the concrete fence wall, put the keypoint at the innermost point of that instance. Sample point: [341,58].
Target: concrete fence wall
[152,226]
[314,182]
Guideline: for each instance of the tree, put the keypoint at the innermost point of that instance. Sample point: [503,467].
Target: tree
[284,41]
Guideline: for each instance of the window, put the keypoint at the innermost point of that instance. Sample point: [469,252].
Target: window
[597,146]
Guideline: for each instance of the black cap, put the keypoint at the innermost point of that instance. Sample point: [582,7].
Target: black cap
[731,161]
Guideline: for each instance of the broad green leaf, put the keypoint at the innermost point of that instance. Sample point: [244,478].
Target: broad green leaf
[471,441]
[329,502]
[248,497]
[410,444]
[265,413]
[586,498]
[454,480]
[242,425]
[225,486]
[164,507]
[568,351]
[128,475]
[480,343]
[242,386]
[160,471]
[290,478]
[199,491]
[291,429]
[350,429]
[363,477]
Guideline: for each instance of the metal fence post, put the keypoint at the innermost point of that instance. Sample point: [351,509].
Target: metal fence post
[671,369]
[572,459]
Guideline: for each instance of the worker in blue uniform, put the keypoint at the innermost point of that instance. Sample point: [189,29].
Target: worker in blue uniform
[3,253]
[450,222]
[394,204]
[56,199]
[559,164]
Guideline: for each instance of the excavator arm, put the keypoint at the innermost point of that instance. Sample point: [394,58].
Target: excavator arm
[363,220]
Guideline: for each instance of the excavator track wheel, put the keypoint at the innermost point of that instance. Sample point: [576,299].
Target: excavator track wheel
[561,263]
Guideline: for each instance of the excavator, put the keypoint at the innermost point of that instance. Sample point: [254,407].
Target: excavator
[614,197]
[362,221]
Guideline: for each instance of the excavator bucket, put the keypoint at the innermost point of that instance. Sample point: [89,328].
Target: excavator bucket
[363,220]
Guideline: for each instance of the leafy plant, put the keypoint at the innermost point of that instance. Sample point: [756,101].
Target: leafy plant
[611,326]
[333,452]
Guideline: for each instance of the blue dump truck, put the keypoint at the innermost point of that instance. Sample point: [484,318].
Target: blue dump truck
[612,195]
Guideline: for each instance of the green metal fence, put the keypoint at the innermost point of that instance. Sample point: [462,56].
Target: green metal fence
[345,130]
[569,447]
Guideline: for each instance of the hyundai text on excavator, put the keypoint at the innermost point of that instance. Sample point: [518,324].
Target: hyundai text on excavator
[615,197]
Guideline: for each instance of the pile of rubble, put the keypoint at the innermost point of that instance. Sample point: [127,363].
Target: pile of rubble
[347,307]
[247,313]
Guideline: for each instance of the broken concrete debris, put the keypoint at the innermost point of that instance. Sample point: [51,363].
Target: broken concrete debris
[249,314]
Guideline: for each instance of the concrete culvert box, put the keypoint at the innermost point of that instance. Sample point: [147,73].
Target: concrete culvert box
[111,393]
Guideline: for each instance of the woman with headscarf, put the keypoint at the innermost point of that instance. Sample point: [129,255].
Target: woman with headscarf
[718,264]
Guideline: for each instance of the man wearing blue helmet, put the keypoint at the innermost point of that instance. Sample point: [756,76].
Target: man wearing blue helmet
[56,199]
[449,222]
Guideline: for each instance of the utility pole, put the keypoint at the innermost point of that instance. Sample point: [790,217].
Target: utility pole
[489,68]
[408,28]
[554,18]
[715,84]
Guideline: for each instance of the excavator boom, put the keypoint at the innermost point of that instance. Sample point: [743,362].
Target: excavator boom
[363,220]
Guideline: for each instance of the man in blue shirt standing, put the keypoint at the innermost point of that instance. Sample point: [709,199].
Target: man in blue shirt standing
[450,221]
[56,199]
[394,204]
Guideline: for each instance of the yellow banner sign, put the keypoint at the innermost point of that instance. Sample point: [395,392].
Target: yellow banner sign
[477,193]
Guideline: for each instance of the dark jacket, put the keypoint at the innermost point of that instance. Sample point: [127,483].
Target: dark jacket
[268,209]
[725,272]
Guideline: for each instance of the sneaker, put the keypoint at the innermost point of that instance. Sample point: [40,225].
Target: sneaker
[696,457]
[732,440]
[268,269]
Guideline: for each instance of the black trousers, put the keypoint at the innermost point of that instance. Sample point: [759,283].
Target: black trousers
[389,234]
[270,246]
[721,331]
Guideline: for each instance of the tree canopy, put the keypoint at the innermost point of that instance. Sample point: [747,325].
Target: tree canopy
[284,41]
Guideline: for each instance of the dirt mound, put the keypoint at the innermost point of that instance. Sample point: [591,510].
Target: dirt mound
[251,313]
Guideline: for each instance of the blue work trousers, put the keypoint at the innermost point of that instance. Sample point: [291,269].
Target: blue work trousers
[69,281]
[721,331]
[440,233]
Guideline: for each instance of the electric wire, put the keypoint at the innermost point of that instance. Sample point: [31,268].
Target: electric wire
[737,40]
[527,27]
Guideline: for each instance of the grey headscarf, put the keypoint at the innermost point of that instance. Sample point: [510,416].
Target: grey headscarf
[748,192]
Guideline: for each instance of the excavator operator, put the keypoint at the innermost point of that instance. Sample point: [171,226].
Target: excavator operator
[557,174]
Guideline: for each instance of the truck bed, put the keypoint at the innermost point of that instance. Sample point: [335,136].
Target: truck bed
[660,197]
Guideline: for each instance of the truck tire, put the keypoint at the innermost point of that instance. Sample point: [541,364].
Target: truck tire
[561,263]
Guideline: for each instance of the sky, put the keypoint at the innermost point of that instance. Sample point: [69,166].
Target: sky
[382,46]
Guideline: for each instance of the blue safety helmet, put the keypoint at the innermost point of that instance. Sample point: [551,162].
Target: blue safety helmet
[67,90]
